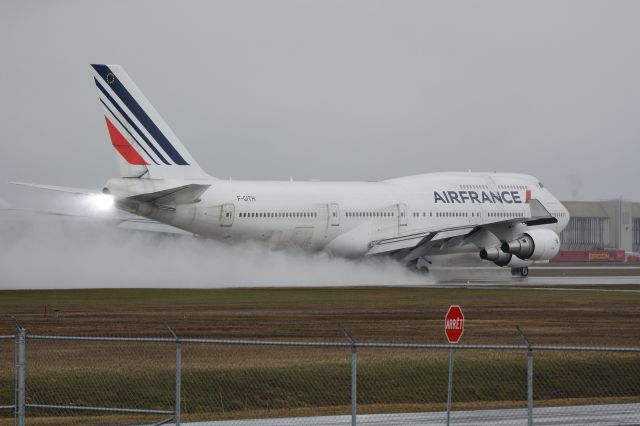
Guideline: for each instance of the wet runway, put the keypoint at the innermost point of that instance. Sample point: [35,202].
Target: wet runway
[545,281]
[480,277]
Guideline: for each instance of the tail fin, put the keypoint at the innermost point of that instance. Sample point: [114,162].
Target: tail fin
[146,145]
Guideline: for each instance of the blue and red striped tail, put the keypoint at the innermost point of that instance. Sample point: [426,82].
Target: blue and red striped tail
[146,145]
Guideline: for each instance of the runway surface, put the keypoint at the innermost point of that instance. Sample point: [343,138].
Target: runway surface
[544,281]
[481,277]
[611,414]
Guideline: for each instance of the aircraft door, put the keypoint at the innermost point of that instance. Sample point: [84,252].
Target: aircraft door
[486,208]
[334,214]
[227,214]
[402,214]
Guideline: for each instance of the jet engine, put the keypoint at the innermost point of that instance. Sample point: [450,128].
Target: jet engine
[500,258]
[495,255]
[537,244]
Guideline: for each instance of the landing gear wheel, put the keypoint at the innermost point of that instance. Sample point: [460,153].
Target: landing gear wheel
[520,272]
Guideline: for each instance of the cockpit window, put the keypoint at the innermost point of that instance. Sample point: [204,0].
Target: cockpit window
[540,185]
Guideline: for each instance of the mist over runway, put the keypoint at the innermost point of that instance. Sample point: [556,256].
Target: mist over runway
[49,252]
[44,252]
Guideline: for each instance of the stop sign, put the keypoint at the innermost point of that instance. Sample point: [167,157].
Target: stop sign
[454,324]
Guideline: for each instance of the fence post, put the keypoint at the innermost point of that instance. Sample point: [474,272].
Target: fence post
[450,384]
[529,377]
[354,379]
[354,385]
[178,406]
[178,382]
[530,386]
[20,377]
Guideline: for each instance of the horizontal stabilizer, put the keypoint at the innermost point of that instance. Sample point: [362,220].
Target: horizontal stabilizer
[68,190]
[181,195]
[122,220]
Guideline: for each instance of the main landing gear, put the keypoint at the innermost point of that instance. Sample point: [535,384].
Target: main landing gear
[520,272]
[419,265]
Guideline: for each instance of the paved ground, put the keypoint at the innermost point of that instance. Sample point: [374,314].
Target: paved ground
[555,276]
[546,281]
[614,414]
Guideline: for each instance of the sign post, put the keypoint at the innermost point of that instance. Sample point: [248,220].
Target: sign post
[454,324]
[453,329]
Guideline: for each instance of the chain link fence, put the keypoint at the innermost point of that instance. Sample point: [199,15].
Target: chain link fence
[222,381]
[608,383]
[104,381]
[66,380]
[7,378]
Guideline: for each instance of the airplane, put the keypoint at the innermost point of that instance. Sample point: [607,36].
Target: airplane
[509,219]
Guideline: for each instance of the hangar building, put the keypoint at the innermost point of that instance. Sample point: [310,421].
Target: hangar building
[597,225]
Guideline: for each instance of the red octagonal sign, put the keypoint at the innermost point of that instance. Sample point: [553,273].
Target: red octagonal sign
[454,324]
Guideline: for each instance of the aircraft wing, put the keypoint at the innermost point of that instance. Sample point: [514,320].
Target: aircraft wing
[418,239]
[416,244]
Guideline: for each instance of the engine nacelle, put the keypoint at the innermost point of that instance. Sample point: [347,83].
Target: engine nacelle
[537,244]
[495,255]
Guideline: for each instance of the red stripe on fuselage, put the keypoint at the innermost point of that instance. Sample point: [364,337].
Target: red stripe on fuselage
[123,146]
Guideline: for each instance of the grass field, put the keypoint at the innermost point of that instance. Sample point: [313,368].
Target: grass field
[226,381]
[370,314]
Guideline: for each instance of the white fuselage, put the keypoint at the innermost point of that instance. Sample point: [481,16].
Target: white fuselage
[344,217]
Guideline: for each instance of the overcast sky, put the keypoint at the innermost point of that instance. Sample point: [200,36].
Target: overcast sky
[332,89]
